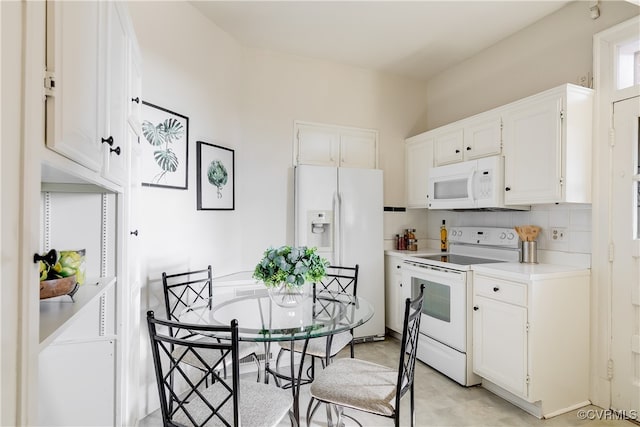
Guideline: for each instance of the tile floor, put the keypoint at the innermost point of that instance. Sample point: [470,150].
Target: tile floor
[439,402]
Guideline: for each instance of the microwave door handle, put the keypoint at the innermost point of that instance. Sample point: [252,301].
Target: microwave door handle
[470,184]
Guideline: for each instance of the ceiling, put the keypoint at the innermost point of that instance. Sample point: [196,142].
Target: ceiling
[417,39]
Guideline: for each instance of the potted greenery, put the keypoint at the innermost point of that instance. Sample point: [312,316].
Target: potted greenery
[286,269]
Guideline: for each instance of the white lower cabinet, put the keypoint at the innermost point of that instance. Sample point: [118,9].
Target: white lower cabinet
[89,402]
[500,331]
[531,336]
[77,368]
[393,293]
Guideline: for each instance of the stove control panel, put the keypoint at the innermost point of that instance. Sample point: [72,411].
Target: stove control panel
[489,236]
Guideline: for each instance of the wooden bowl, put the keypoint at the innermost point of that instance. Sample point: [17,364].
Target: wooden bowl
[57,287]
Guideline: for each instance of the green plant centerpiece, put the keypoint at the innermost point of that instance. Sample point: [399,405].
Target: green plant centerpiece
[286,269]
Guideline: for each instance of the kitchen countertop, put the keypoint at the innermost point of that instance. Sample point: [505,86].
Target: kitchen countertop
[526,272]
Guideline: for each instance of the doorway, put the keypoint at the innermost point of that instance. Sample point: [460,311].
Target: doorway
[615,262]
[625,264]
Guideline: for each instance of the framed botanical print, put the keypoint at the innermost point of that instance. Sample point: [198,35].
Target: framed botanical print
[165,148]
[215,177]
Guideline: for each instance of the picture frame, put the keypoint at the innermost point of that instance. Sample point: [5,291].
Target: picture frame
[215,177]
[164,147]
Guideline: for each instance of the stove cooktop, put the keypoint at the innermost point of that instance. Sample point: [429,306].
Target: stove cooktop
[458,259]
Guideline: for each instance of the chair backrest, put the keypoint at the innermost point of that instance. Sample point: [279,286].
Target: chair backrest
[185,398]
[339,280]
[184,289]
[409,345]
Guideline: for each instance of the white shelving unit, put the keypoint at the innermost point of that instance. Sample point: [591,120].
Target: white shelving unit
[58,314]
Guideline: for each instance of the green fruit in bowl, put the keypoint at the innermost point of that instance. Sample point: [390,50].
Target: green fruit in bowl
[67,271]
[73,261]
[44,271]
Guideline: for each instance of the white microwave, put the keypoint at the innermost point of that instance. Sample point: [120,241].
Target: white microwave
[473,184]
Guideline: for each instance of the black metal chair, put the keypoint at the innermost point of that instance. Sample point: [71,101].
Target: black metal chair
[367,386]
[184,289]
[339,280]
[185,398]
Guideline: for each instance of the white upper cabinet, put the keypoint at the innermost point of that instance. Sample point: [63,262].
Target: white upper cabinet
[358,149]
[76,49]
[116,155]
[547,147]
[448,145]
[472,138]
[327,145]
[88,85]
[317,145]
[482,136]
[418,161]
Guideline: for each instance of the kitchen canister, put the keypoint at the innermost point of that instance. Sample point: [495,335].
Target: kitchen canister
[529,252]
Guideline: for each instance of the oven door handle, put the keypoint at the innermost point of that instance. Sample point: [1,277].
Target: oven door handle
[434,272]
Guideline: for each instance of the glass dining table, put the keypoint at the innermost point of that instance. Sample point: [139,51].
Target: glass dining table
[260,319]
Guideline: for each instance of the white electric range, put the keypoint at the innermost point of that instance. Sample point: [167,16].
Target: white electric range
[445,327]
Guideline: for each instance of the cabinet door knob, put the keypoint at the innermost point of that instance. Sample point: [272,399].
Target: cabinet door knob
[115,150]
[134,232]
[136,100]
[496,289]
[507,189]
[468,148]
[398,266]
[457,151]
[108,140]
[476,308]
[50,257]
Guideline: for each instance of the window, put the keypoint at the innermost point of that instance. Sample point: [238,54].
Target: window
[628,64]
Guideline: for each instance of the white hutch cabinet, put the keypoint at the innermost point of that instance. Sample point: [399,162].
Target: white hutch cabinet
[78,361]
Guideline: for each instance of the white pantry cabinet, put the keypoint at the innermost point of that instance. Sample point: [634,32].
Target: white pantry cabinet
[418,162]
[531,335]
[547,147]
[328,145]
[394,308]
[86,84]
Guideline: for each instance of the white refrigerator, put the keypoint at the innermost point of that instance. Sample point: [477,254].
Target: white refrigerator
[340,212]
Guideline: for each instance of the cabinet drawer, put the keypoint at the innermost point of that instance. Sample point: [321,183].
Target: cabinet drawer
[501,290]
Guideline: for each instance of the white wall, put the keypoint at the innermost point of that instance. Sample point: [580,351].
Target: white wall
[282,88]
[247,100]
[555,50]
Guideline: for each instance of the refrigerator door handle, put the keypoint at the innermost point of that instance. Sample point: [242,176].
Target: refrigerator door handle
[337,238]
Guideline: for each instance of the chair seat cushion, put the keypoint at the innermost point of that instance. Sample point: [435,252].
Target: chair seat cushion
[318,346]
[357,384]
[260,405]
[212,356]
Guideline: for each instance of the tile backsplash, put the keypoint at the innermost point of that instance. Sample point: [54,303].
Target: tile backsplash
[574,220]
